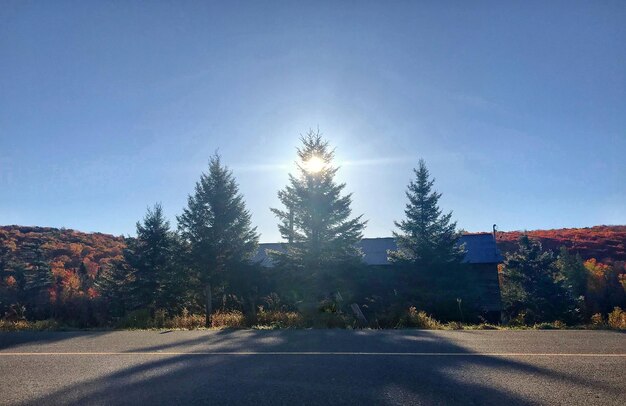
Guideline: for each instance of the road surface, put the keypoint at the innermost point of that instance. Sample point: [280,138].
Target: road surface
[292,367]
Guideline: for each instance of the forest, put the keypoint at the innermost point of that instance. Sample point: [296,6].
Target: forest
[604,243]
[200,273]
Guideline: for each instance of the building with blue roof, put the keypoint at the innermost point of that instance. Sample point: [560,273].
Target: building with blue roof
[481,255]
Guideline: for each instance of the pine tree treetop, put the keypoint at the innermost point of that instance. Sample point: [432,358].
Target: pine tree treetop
[426,236]
[216,222]
[316,217]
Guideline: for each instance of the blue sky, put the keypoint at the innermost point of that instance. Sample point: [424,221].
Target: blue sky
[519,109]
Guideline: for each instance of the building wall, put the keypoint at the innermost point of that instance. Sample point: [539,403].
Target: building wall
[488,288]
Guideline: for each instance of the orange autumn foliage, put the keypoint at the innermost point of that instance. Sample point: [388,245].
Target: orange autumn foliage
[606,243]
[65,252]
[597,271]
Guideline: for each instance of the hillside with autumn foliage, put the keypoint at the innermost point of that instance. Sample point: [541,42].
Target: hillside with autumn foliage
[604,243]
[65,263]
[69,253]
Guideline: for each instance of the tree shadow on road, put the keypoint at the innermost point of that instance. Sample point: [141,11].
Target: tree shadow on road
[190,372]
[15,340]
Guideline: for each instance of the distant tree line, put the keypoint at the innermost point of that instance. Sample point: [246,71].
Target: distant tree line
[205,264]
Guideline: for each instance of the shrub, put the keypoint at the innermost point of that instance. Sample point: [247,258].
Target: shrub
[6,325]
[597,321]
[140,319]
[280,319]
[519,320]
[185,321]
[454,325]
[45,325]
[555,325]
[228,319]
[422,320]
[22,325]
[273,302]
[617,319]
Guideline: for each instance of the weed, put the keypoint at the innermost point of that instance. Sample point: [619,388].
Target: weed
[597,321]
[453,325]
[555,325]
[228,319]
[280,319]
[483,326]
[617,319]
[422,320]
[23,325]
[185,321]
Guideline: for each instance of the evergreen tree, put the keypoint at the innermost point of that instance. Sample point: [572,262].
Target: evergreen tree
[427,237]
[316,219]
[83,276]
[322,237]
[216,226]
[572,272]
[12,284]
[151,254]
[176,285]
[530,285]
[114,284]
[37,280]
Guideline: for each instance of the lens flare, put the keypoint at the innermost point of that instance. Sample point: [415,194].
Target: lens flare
[314,164]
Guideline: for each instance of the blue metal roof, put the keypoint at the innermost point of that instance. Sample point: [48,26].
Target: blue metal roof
[480,249]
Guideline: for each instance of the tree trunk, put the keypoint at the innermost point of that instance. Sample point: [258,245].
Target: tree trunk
[252,307]
[209,304]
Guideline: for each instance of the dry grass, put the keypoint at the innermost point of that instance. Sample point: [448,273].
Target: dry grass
[555,325]
[23,325]
[141,319]
[597,321]
[274,319]
[453,325]
[482,326]
[422,320]
[617,319]
[228,319]
[185,321]
[279,319]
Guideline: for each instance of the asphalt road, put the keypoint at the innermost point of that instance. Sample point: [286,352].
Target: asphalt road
[294,367]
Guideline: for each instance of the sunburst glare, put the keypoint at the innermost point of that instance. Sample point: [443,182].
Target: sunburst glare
[314,164]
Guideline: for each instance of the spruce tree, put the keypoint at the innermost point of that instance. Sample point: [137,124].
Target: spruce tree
[322,237]
[531,286]
[427,237]
[151,254]
[216,226]
[37,280]
[572,272]
[115,285]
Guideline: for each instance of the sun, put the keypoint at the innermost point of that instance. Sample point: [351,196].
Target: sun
[314,164]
